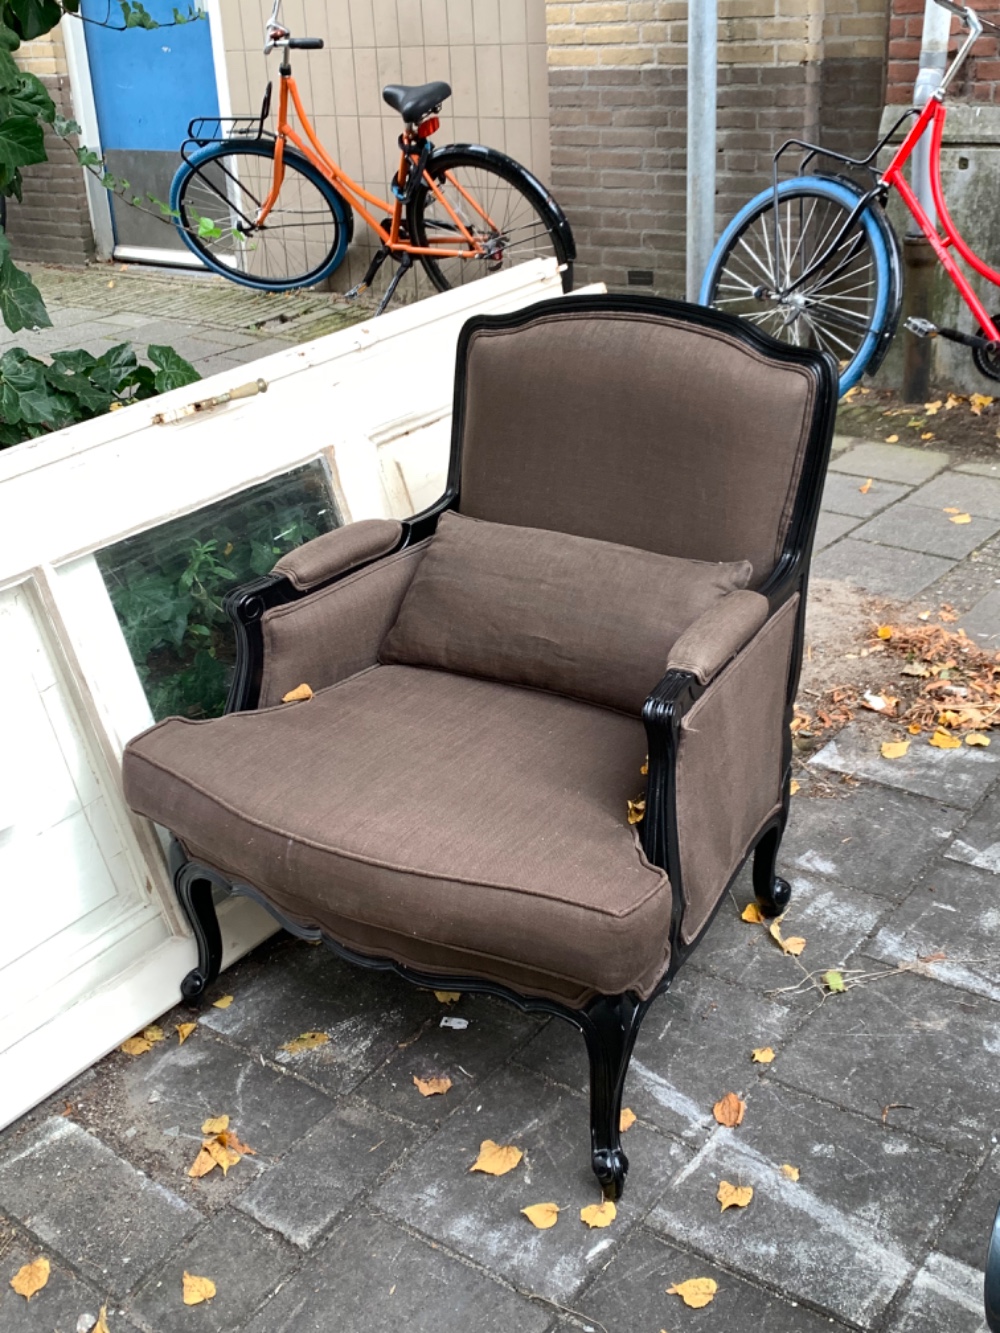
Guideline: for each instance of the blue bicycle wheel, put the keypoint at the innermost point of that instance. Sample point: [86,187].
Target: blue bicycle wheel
[842,305]
[217,196]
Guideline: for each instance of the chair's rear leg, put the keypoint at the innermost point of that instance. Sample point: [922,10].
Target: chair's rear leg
[771,891]
[194,886]
[610,1026]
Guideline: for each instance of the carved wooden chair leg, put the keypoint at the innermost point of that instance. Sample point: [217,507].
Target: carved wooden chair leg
[610,1026]
[771,891]
[194,885]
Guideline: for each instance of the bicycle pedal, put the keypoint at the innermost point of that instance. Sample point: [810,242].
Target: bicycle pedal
[922,328]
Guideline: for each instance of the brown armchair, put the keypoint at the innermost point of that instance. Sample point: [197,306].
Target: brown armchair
[616,569]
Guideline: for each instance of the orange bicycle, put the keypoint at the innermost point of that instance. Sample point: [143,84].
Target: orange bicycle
[272,210]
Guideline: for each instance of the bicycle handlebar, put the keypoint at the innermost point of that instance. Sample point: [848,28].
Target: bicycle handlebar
[960,11]
[305,43]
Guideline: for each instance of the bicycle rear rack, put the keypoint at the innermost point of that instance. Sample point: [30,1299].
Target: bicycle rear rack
[216,129]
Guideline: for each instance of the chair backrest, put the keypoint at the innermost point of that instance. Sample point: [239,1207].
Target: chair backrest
[641,421]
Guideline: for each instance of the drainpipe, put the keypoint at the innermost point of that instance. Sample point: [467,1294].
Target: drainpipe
[918,257]
[703,36]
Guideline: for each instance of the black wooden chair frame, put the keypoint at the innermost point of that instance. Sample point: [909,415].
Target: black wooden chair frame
[609,1023]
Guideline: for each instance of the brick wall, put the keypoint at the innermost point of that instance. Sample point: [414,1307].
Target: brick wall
[978,81]
[52,222]
[617,89]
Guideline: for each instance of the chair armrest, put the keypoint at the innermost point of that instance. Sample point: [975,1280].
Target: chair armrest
[718,634]
[338,551]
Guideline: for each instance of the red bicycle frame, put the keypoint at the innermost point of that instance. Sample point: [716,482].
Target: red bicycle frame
[934,114]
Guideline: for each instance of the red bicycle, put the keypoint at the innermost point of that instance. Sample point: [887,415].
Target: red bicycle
[813,260]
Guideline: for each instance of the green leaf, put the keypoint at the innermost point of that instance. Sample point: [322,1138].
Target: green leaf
[87,399]
[21,304]
[172,371]
[28,98]
[22,142]
[834,981]
[75,360]
[26,396]
[9,72]
[64,127]
[33,17]
[114,370]
[208,230]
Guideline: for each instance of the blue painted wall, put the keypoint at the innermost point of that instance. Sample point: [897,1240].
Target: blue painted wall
[149,85]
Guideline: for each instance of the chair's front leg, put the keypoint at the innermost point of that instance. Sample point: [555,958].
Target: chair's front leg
[610,1026]
[195,887]
[771,891]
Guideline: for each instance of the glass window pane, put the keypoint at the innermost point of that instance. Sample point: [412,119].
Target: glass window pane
[167,584]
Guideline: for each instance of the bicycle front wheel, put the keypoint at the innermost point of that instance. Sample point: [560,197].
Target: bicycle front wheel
[510,215]
[803,275]
[217,197]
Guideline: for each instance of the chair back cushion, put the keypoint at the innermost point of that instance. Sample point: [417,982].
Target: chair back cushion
[658,426]
[585,618]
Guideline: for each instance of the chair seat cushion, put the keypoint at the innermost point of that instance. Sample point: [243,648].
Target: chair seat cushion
[585,618]
[475,827]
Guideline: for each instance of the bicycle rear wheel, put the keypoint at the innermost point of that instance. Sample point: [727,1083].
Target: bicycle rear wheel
[509,212]
[842,307]
[217,196]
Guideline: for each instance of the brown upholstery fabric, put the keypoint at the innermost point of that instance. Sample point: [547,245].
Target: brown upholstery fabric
[336,551]
[336,632]
[458,814]
[585,618]
[729,766]
[637,429]
[718,633]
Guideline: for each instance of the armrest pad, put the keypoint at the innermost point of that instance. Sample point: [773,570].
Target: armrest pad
[339,550]
[718,634]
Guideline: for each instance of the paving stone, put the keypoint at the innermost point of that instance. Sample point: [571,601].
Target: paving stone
[890,462]
[971,494]
[174,1089]
[982,622]
[906,1041]
[842,442]
[842,494]
[979,469]
[372,1275]
[834,921]
[846,1236]
[919,528]
[466,1056]
[873,838]
[632,1294]
[888,570]
[60,1303]
[956,911]
[479,1216]
[956,777]
[696,1039]
[305,989]
[946,1297]
[103,1216]
[967,1235]
[977,843]
[326,1170]
[831,527]
[245,1262]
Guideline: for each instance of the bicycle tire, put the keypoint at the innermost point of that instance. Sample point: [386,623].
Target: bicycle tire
[550,234]
[309,201]
[865,301]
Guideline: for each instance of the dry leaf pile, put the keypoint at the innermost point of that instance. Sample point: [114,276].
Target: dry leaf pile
[950,686]
[220,1149]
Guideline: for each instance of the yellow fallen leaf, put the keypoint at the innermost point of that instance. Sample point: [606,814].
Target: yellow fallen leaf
[941,740]
[977,738]
[197,1289]
[794,944]
[229,1139]
[599,1214]
[790,1172]
[763,1055]
[636,810]
[102,1322]
[977,401]
[730,1110]
[136,1046]
[223,1003]
[448,996]
[31,1278]
[868,484]
[793,786]
[952,509]
[960,518]
[752,913]
[221,1155]
[733,1196]
[215,1125]
[542,1215]
[154,1033]
[894,749]
[952,400]
[184,1031]
[891,439]
[932,409]
[202,1164]
[626,1120]
[914,729]
[306,1041]
[496,1159]
[300,692]
[884,631]
[429,1087]
[927,435]
[696,1292]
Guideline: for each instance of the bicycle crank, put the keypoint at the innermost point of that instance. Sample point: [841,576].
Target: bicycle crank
[985,352]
